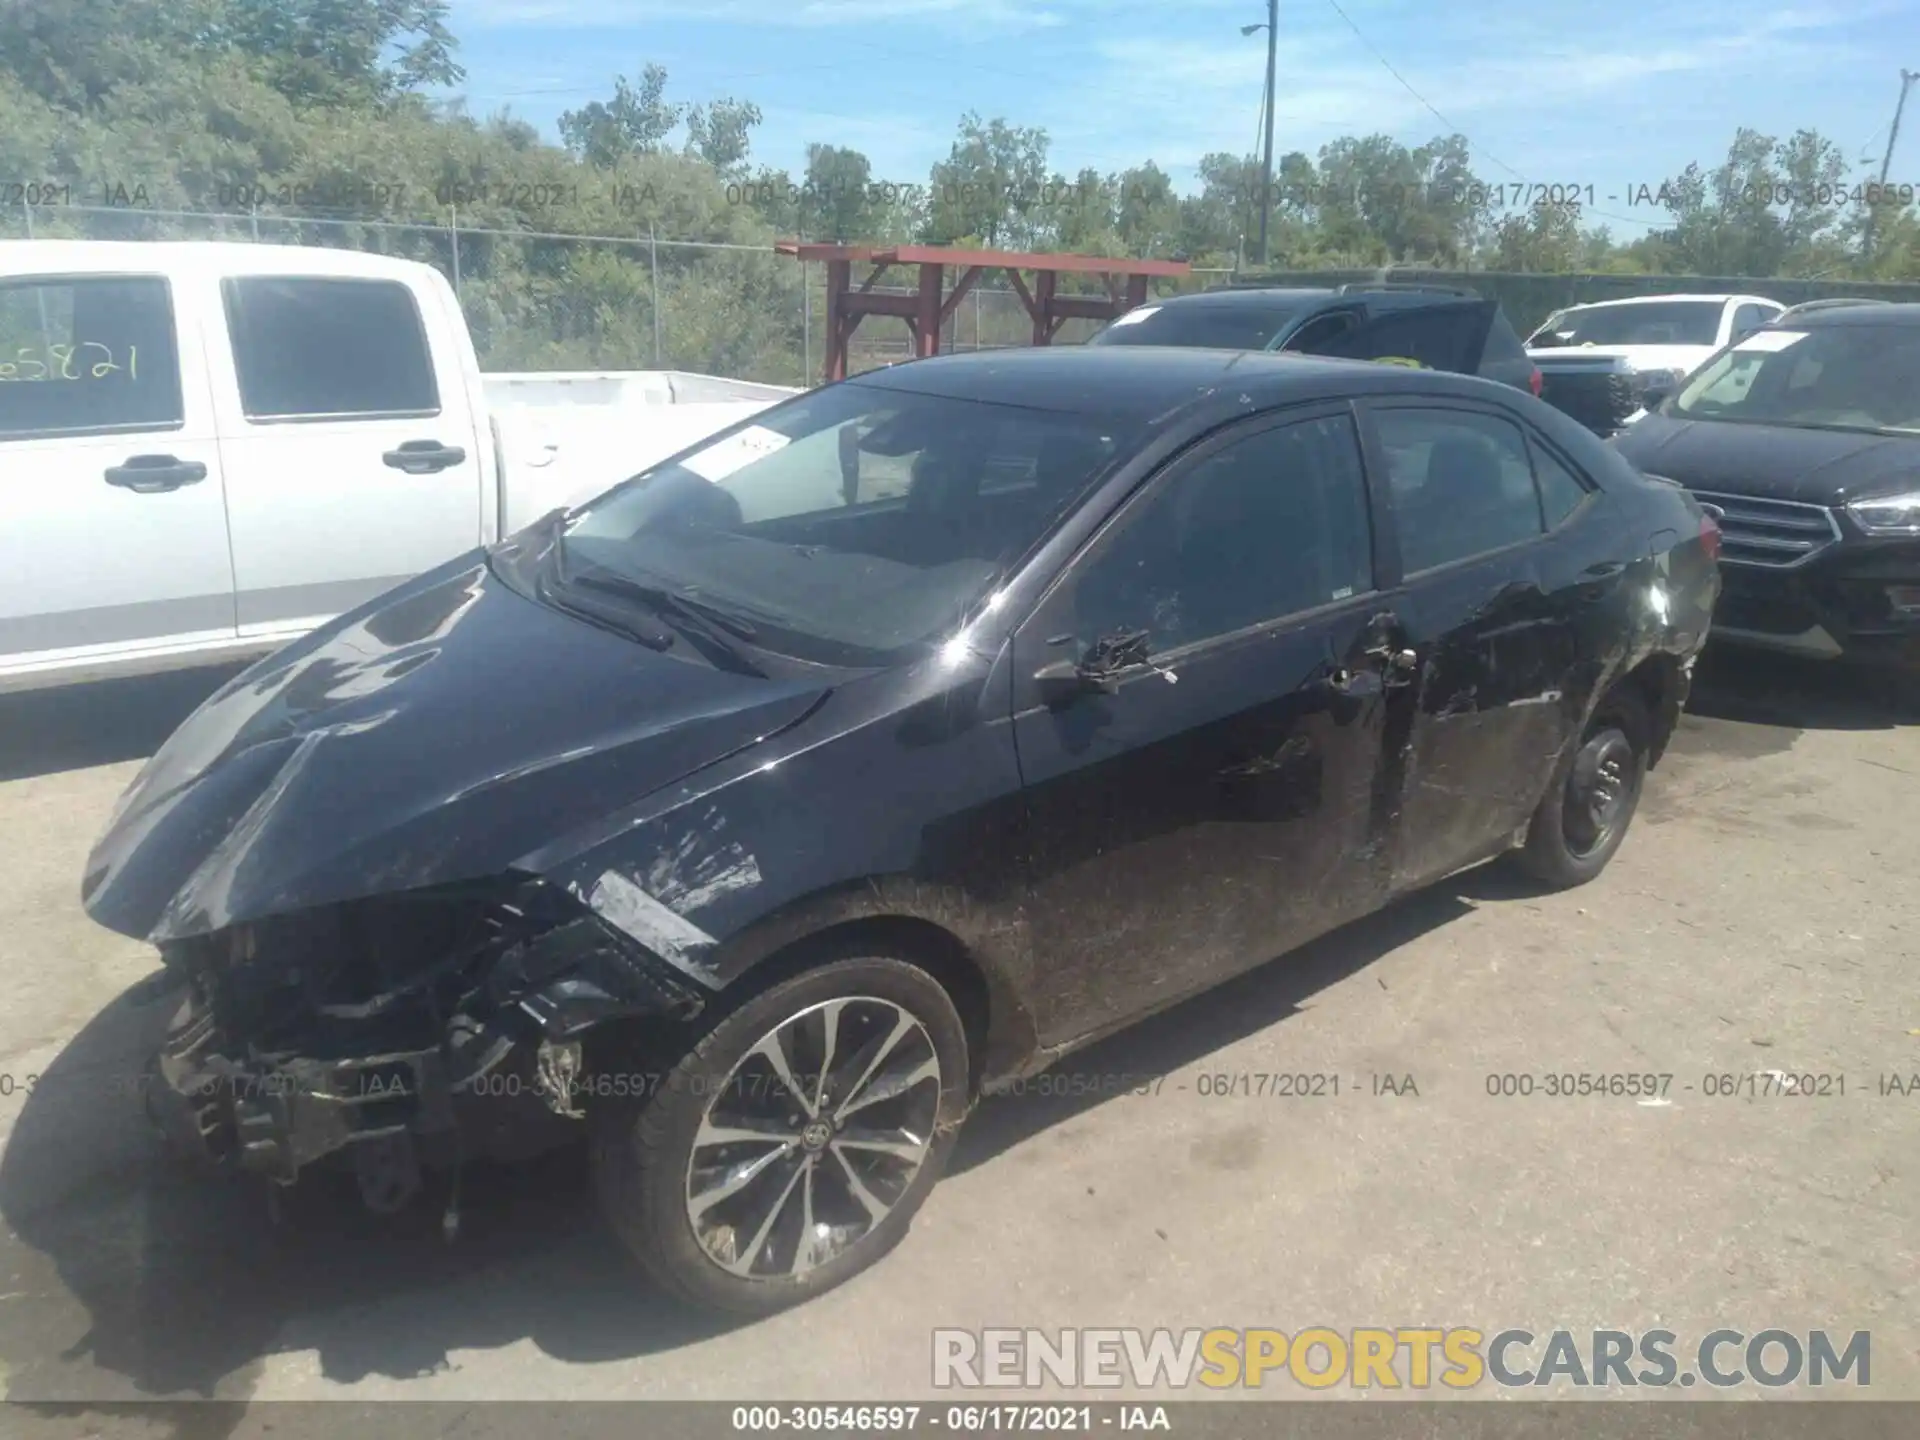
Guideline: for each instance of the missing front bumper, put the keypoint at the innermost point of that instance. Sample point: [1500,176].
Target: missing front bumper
[493,1077]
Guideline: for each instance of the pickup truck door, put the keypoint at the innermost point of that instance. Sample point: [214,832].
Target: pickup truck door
[348,441]
[113,534]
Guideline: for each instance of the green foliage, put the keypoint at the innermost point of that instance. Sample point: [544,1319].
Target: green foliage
[310,121]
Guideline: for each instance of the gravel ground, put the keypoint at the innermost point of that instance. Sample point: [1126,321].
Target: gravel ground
[1762,916]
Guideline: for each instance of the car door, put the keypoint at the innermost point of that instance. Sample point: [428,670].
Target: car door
[1489,617]
[350,467]
[1229,799]
[1446,335]
[113,531]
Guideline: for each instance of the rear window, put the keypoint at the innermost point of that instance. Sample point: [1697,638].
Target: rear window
[1221,327]
[309,348]
[87,355]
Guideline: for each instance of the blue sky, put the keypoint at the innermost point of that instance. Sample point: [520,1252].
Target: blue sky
[1577,92]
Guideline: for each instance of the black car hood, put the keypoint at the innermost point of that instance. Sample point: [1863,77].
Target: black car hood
[1775,462]
[436,735]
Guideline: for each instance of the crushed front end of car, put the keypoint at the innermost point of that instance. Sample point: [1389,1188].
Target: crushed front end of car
[400,1033]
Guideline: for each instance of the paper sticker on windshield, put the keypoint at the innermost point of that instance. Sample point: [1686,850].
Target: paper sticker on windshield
[720,460]
[1772,340]
[1134,317]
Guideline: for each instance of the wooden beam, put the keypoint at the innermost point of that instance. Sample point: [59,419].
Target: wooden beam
[930,313]
[967,280]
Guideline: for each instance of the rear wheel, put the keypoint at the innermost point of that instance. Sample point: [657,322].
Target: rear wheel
[1596,788]
[789,1149]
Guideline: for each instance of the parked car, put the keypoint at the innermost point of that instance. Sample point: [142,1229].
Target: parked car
[1596,360]
[1805,440]
[1436,327]
[208,449]
[760,814]
[1810,307]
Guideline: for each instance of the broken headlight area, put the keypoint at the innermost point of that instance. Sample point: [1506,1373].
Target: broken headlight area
[398,1032]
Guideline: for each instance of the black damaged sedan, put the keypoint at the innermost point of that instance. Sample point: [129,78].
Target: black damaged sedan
[758,816]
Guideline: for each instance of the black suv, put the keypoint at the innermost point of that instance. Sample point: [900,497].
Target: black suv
[1804,437]
[1431,327]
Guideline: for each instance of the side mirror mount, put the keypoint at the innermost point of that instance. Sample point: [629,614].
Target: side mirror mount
[1098,671]
[1656,392]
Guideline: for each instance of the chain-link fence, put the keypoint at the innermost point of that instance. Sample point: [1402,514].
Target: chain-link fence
[547,300]
[551,300]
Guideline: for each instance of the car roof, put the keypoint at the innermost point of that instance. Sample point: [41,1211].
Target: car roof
[1161,383]
[214,257]
[1250,297]
[1897,314]
[1658,299]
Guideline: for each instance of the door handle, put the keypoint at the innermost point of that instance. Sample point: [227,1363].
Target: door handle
[155,474]
[424,457]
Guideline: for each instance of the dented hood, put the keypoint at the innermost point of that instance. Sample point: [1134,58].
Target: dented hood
[437,735]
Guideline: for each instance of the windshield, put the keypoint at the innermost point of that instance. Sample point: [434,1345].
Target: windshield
[1845,377]
[1672,322]
[1215,327]
[852,526]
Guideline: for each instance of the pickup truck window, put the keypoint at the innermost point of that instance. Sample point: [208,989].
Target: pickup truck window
[312,349]
[87,356]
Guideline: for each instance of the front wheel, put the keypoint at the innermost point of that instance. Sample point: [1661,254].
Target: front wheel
[1596,788]
[791,1146]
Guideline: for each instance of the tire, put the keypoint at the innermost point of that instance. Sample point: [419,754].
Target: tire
[1567,842]
[741,1252]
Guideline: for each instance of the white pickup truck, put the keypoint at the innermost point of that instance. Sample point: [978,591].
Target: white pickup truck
[207,449]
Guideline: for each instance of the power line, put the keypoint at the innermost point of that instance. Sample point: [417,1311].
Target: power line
[1433,110]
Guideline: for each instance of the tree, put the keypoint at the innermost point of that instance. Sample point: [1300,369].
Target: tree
[636,121]
[721,133]
[1545,240]
[991,187]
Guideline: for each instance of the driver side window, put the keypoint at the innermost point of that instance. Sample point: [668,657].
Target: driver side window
[1265,526]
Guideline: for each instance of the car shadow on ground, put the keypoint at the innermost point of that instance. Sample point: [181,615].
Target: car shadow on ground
[184,1283]
[1756,687]
[45,732]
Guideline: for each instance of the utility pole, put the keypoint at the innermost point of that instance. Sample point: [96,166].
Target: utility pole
[1266,155]
[1907,77]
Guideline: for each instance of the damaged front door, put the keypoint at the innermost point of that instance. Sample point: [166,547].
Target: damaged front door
[1200,707]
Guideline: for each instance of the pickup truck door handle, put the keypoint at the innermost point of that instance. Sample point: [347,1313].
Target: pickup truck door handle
[155,474]
[423,457]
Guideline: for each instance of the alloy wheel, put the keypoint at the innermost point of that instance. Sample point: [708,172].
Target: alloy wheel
[813,1138]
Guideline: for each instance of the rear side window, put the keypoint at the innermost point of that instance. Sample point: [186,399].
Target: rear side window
[1462,484]
[87,356]
[1447,336]
[1749,318]
[1560,489]
[309,348]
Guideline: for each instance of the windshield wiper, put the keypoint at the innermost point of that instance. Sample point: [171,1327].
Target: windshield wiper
[1831,427]
[718,626]
[606,617]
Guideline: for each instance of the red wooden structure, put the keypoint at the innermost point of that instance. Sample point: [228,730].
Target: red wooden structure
[932,304]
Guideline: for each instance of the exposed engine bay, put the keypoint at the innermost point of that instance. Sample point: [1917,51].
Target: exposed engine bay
[399,1033]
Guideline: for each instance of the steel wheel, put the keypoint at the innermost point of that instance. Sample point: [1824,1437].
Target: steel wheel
[813,1138]
[1598,791]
